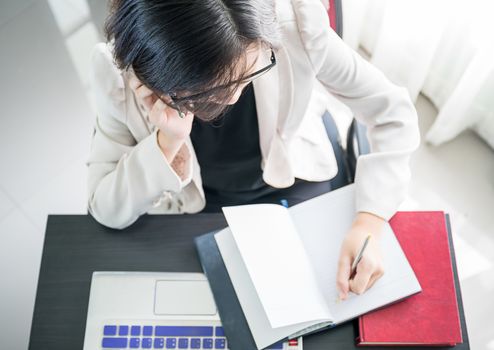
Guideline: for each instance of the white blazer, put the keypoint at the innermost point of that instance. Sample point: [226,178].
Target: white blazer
[129,175]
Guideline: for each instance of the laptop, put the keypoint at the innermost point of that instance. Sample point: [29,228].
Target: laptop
[155,310]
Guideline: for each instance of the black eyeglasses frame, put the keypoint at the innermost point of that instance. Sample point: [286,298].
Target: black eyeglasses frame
[176,101]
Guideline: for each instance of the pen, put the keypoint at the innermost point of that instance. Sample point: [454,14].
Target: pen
[353,269]
[359,257]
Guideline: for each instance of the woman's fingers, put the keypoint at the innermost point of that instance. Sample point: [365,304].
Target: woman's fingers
[367,274]
[375,277]
[160,114]
[143,92]
[362,277]
[157,114]
[343,276]
[146,96]
[134,83]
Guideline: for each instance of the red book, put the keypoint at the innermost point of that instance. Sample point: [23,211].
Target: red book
[430,317]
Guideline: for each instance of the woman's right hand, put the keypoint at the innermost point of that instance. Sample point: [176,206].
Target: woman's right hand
[173,130]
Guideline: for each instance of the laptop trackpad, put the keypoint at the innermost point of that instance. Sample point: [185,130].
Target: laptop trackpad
[183,298]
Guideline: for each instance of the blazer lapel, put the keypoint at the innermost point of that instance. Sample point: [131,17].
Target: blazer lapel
[286,90]
[274,99]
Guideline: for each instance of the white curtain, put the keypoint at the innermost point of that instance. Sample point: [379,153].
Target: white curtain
[442,48]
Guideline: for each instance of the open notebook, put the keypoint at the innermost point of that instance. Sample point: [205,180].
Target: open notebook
[283,262]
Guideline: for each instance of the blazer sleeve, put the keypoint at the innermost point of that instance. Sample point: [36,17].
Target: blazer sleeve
[382,177]
[126,178]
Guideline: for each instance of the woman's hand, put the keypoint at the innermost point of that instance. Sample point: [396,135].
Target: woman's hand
[173,130]
[370,267]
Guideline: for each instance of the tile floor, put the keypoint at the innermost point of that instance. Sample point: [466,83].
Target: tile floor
[45,125]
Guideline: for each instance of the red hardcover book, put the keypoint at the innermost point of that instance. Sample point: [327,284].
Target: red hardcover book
[430,317]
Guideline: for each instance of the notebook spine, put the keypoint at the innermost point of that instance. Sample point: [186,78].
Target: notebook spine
[312,329]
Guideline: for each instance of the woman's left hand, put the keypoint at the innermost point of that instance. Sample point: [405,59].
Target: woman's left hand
[370,267]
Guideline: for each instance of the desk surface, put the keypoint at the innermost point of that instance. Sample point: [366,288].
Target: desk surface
[76,245]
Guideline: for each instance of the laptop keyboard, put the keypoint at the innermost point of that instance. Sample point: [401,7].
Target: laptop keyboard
[165,337]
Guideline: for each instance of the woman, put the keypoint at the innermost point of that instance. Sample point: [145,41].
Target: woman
[165,141]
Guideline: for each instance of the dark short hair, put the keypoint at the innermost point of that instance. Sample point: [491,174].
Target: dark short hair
[187,45]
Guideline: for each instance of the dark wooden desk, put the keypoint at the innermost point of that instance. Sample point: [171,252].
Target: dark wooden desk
[76,245]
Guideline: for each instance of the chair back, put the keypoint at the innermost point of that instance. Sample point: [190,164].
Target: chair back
[336,16]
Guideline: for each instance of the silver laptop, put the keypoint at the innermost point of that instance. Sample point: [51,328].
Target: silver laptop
[152,310]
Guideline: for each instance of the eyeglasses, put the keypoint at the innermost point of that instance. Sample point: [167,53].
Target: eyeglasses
[201,105]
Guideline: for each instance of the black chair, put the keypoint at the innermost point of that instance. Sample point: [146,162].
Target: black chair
[356,140]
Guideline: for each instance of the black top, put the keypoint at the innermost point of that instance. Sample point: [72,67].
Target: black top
[229,153]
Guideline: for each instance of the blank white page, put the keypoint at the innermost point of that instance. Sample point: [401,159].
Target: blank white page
[277,264]
[262,332]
